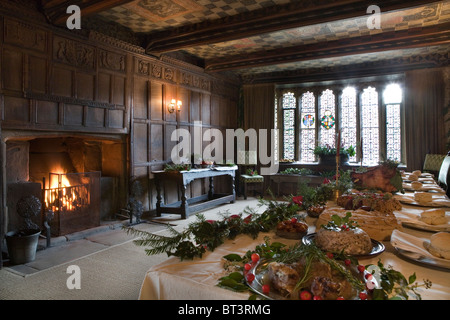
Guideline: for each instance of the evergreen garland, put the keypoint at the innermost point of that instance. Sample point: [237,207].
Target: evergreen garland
[202,234]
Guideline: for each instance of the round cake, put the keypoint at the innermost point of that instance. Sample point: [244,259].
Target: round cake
[353,241]
[440,245]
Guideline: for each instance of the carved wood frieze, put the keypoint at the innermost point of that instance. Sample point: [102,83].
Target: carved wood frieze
[73,53]
[70,100]
[25,35]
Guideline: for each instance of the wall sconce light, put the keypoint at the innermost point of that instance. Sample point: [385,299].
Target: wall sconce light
[174,104]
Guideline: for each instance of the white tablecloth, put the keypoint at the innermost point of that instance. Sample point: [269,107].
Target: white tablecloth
[197,279]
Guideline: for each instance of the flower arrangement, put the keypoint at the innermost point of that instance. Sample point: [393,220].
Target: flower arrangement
[327,150]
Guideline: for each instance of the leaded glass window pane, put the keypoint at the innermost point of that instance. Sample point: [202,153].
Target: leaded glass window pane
[370,127]
[327,115]
[288,106]
[348,119]
[392,97]
[393,132]
[308,125]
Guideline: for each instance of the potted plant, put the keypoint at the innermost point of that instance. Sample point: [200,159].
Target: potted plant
[22,243]
[327,154]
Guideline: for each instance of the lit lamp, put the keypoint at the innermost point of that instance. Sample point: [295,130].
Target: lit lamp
[174,104]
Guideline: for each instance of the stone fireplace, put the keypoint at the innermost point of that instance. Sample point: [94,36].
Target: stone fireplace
[80,178]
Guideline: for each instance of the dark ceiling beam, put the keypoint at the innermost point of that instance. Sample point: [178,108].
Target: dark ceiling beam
[55,10]
[403,39]
[271,19]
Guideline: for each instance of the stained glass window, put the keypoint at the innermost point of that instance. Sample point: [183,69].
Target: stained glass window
[288,105]
[370,127]
[308,127]
[327,115]
[275,126]
[348,119]
[392,97]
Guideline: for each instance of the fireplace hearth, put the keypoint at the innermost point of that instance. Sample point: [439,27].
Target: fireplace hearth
[74,199]
[81,179]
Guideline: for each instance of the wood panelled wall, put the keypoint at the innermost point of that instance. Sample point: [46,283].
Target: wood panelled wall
[53,80]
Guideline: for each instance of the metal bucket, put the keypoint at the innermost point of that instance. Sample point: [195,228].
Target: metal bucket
[22,245]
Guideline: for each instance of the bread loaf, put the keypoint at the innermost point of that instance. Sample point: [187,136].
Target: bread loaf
[423,197]
[433,216]
[413,177]
[378,225]
[440,245]
[416,185]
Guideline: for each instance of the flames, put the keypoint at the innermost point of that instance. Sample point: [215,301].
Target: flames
[60,195]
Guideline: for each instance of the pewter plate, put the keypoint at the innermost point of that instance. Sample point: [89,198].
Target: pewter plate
[377,246]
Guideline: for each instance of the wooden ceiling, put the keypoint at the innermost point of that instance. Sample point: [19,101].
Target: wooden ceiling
[275,40]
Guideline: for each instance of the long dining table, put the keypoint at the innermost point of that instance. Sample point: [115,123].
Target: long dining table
[197,279]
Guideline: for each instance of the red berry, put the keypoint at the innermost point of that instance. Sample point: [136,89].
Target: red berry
[340,298]
[363,296]
[317,298]
[294,220]
[265,288]
[247,266]
[361,268]
[368,276]
[347,262]
[330,255]
[255,257]
[250,277]
[305,295]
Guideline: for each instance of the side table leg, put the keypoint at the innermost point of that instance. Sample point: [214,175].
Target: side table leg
[158,197]
[233,189]
[211,188]
[184,208]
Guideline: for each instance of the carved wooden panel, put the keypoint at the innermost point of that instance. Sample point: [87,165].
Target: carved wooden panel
[47,112]
[116,118]
[84,86]
[12,70]
[25,35]
[195,106]
[183,95]
[119,90]
[156,142]
[206,109]
[16,109]
[140,150]
[38,74]
[140,98]
[215,110]
[111,61]
[104,87]
[156,101]
[62,82]
[95,117]
[168,144]
[73,115]
[73,53]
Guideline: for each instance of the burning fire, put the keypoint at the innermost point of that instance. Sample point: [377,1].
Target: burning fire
[60,195]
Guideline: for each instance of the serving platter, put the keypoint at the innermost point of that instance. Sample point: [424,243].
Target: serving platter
[377,246]
[260,271]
